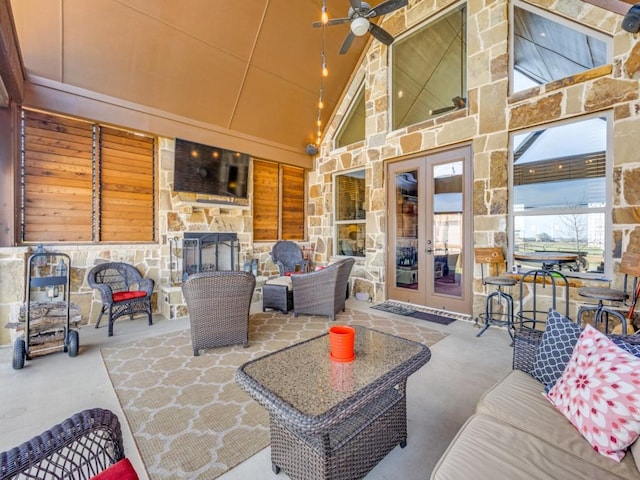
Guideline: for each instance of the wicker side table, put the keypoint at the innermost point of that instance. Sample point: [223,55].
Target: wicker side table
[277,294]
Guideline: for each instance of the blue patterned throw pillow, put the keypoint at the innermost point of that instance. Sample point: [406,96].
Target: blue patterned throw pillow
[558,341]
[631,345]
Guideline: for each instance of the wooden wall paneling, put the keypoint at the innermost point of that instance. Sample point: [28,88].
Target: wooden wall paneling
[292,203]
[265,201]
[58,156]
[126,186]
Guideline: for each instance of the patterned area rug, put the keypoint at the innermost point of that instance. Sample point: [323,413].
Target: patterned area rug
[188,417]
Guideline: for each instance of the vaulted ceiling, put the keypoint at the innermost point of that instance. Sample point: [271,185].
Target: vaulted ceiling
[246,68]
[250,67]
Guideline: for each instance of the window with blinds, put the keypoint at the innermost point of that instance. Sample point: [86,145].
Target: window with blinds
[350,222]
[81,182]
[278,202]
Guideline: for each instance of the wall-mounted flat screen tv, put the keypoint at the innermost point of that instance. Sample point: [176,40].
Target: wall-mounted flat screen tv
[210,170]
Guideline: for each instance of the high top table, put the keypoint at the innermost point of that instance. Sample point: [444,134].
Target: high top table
[331,420]
[547,259]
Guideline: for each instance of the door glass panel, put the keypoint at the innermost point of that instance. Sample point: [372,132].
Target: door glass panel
[447,228]
[406,261]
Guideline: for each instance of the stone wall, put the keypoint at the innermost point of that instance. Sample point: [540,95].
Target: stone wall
[13,266]
[177,213]
[486,123]
[490,116]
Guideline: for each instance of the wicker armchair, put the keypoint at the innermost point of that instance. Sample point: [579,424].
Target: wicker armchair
[76,449]
[218,304]
[288,257]
[123,291]
[322,292]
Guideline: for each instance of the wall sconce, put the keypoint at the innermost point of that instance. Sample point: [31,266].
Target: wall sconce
[631,21]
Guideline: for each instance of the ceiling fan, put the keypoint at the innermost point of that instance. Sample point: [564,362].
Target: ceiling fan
[359,15]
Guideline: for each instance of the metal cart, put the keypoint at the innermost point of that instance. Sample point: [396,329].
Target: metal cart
[49,271]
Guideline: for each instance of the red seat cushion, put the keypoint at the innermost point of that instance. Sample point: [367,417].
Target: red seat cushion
[121,296]
[122,470]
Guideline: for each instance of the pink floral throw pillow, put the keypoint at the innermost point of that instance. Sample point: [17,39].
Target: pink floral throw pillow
[599,392]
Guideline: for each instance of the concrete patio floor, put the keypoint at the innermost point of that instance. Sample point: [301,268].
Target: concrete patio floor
[441,395]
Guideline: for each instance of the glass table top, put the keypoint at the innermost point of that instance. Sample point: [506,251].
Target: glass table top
[304,378]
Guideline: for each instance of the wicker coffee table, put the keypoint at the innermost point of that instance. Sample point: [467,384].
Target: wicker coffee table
[334,420]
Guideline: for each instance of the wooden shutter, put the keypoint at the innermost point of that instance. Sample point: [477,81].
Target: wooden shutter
[57,178]
[265,201]
[126,186]
[292,215]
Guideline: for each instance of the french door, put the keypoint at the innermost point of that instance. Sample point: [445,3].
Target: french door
[430,260]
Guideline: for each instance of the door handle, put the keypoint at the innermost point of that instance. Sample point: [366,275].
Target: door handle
[428,250]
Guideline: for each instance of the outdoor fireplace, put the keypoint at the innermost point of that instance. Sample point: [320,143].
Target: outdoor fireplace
[205,251]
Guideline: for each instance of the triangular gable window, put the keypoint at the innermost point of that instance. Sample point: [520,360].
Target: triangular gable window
[352,129]
[546,49]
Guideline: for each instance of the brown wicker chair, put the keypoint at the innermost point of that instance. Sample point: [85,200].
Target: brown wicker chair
[218,304]
[322,292]
[123,291]
[78,448]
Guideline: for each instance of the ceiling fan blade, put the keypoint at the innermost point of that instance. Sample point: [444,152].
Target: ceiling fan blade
[387,7]
[348,40]
[337,21]
[333,21]
[381,34]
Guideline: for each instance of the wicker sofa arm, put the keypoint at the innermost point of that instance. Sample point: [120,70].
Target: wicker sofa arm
[106,293]
[146,285]
[525,345]
[78,448]
[282,268]
[320,284]
[526,342]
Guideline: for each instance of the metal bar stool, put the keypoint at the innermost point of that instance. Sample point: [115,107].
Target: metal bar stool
[630,267]
[494,257]
[541,278]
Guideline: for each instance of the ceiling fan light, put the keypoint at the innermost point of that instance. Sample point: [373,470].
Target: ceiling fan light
[359,26]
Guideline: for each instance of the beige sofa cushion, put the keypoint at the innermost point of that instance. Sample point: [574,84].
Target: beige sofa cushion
[486,448]
[635,451]
[519,401]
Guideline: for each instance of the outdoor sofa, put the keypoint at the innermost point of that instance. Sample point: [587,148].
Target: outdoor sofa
[516,432]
